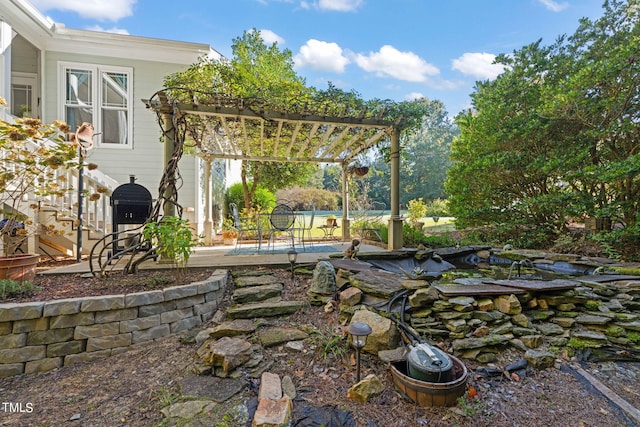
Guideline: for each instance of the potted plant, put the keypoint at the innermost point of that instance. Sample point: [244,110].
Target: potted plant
[229,232]
[332,221]
[31,151]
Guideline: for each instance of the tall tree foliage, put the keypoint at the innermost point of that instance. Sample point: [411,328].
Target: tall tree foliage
[256,71]
[425,152]
[556,134]
[599,94]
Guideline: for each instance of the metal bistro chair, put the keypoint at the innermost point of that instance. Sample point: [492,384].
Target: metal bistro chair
[245,227]
[305,229]
[281,219]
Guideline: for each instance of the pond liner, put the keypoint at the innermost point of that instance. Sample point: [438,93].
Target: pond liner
[429,266]
[325,416]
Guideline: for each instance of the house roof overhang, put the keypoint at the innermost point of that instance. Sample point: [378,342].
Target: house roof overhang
[47,35]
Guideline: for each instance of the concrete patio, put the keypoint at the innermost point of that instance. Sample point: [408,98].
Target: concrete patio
[220,257]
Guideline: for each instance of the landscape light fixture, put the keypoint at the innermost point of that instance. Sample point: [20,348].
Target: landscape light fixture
[359,332]
[293,256]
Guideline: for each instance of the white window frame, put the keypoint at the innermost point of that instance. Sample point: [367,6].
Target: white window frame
[96,96]
[30,80]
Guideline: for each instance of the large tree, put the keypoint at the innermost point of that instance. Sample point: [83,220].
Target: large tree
[598,92]
[261,72]
[556,134]
[425,152]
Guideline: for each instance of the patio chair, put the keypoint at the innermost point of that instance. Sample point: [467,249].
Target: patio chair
[247,227]
[370,225]
[281,219]
[305,228]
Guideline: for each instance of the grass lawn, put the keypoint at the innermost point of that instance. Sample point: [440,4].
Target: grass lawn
[444,224]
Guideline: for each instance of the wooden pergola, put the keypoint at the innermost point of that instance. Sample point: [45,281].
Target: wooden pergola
[224,127]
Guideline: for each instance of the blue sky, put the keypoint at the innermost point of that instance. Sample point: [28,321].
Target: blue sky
[387,49]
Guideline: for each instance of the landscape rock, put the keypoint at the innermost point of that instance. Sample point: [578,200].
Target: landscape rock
[232,328]
[265,279]
[227,353]
[274,336]
[264,309]
[377,283]
[324,279]
[273,413]
[351,296]
[384,335]
[539,359]
[256,293]
[423,296]
[508,304]
[366,389]
[187,410]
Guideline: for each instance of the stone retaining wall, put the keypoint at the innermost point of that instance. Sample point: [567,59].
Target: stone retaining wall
[41,336]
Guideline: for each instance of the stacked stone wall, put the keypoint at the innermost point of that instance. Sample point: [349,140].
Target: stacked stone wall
[594,314]
[41,336]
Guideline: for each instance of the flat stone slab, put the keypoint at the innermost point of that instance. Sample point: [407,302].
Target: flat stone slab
[350,265]
[255,280]
[377,283]
[214,388]
[233,328]
[605,278]
[274,336]
[454,289]
[590,319]
[256,293]
[536,285]
[264,309]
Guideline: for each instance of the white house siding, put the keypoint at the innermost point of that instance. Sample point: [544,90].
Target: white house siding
[24,56]
[146,159]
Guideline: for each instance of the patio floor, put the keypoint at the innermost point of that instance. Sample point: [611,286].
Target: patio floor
[221,257]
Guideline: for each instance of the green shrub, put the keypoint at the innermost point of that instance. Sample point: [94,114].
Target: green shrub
[12,289]
[412,236]
[438,207]
[417,209]
[263,199]
[173,239]
[621,243]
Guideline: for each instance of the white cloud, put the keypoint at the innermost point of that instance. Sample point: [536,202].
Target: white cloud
[321,56]
[332,5]
[339,5]
[391,62]
[110,30]
[413,95]
[554,6]
[101,10]
[269,37]
[479,65]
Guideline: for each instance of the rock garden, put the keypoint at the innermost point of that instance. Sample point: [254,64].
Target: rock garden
[278,352]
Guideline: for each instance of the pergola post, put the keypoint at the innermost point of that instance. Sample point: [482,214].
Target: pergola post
[208,219]
[395,221]
[346,226]
[169,139]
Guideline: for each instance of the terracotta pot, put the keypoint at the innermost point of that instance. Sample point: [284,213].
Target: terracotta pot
[19,267]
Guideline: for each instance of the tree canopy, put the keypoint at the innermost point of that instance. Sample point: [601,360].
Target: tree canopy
[260,78]
[555,136]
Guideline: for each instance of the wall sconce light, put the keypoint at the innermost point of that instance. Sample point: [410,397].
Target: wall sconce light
[359,332]
[293,256]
